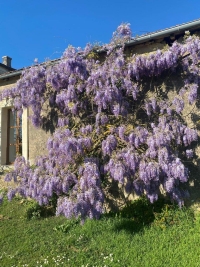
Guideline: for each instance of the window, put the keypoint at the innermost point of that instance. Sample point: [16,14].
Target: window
[14,136]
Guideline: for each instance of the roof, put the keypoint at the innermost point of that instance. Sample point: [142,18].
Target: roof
[14,73]
[6,67]
[172,31]
[175,30]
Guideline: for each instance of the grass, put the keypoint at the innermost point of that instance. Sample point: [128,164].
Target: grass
[140,235]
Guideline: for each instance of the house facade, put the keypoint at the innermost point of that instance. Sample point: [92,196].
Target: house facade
[18,136]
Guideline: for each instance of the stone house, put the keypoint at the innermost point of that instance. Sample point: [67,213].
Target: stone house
[19,136]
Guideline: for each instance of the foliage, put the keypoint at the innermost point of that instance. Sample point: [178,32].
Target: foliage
[112,122]
[66,227]
[172,215]
[142,210]
[35,211]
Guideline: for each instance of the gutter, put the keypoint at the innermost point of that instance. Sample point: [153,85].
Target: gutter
[179,29]
[10,74]
[175,30]
[19,72]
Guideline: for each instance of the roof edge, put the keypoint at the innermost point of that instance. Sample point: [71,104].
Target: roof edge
[178,29]
[10,74]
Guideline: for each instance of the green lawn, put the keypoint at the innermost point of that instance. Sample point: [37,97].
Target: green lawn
[142,235]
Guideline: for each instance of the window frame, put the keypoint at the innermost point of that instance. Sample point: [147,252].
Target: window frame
[17,126]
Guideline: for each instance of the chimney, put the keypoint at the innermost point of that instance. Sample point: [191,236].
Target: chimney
[7,61]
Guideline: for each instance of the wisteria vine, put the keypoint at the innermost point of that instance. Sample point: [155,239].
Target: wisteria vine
[113,123]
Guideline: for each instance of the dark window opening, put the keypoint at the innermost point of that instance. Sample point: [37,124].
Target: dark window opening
[14,146]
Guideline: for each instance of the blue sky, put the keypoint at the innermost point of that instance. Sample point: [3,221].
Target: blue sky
[42,29]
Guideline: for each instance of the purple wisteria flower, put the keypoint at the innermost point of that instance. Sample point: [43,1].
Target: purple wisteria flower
[189,153]
[109,144]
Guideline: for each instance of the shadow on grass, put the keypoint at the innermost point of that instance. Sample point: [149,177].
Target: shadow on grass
[141,213]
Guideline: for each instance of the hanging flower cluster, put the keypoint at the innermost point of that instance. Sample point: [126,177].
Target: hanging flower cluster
[112,124]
